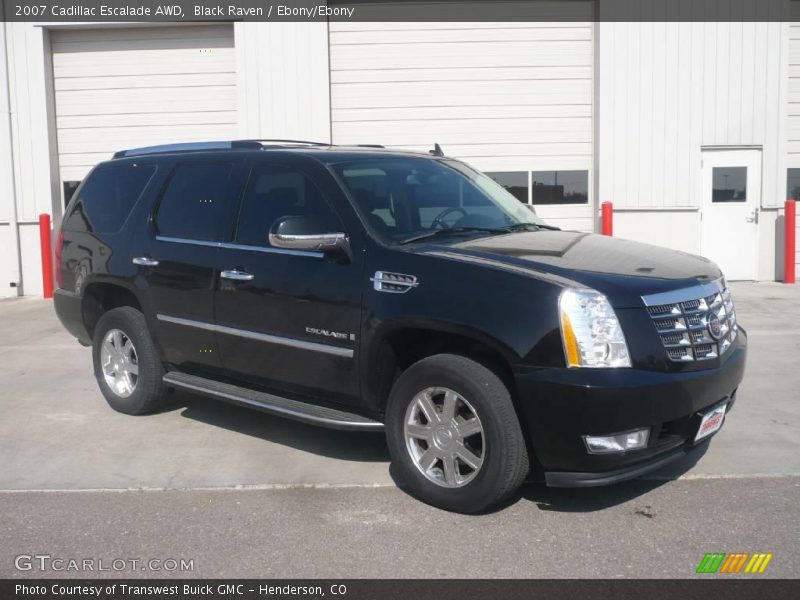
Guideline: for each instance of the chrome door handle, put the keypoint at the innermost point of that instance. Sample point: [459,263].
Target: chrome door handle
[752,217]
[144,261]
[235,275]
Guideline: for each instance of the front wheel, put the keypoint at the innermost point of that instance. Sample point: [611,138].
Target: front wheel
[454,435]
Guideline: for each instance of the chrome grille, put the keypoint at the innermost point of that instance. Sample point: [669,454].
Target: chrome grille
[686,321]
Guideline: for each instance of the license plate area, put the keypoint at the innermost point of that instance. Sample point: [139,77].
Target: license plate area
[711,422]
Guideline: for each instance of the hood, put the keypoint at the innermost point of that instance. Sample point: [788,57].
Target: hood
[621,269]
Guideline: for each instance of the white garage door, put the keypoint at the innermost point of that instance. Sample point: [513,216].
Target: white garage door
[129,87]
[513,99]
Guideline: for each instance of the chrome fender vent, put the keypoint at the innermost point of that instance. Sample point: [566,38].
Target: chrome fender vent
[393,283]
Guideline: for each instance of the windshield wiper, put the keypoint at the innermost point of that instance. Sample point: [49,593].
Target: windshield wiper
[530,227]
[451,230]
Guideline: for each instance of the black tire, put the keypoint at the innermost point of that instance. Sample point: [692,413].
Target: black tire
[505,455]
[149,391]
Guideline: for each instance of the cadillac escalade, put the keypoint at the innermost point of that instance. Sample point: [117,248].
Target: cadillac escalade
[367,289]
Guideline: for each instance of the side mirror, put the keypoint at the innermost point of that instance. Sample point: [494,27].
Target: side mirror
[304,233]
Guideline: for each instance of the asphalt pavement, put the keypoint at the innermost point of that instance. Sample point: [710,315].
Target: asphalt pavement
[241,493]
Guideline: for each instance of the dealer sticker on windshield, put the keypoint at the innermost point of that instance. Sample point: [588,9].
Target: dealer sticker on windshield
[711,422]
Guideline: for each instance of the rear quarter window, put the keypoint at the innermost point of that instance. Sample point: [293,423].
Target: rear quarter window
[107,197]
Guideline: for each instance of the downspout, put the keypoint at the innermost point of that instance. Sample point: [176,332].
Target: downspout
[16,268]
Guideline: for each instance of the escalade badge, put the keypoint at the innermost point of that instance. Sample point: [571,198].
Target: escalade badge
[714,326]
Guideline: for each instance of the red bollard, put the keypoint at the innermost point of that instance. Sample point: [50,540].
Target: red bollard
[607,212]
[47,255]
[790,230]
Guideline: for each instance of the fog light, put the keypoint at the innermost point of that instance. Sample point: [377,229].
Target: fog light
[603,444]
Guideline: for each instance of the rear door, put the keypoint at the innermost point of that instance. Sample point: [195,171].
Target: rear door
[181,267]
[291,319]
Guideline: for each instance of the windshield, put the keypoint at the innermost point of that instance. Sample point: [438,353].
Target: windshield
[403,199]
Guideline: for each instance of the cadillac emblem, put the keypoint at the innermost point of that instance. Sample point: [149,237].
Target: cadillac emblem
[714,326]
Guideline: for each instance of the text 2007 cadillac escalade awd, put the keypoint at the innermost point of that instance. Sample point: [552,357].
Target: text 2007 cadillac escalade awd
[368,289]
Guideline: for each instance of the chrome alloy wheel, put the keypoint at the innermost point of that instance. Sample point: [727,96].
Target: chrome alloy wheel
[444,437]
[119,363]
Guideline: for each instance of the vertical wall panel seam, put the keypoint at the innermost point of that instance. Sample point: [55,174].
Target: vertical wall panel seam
[14,220]
[28,72]
[330,81]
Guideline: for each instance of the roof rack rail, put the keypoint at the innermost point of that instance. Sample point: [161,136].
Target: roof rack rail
[254,144]
[279,141]
[186,147]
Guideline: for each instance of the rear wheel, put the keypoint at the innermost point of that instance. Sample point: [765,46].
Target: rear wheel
[454,435]
[126,364]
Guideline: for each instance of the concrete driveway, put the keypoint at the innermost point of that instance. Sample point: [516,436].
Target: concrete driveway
[58,434]
[57,431]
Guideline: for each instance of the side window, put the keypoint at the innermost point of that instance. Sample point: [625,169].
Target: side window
[107,197]
[274,192]
[194,205]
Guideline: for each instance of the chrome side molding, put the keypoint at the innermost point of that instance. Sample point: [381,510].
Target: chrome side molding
[261,337]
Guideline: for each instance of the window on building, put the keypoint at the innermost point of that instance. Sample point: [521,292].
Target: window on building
[793,183]
[729,184]
[108,198]
[560,187]
[515,182]
[194,205]
[274,193]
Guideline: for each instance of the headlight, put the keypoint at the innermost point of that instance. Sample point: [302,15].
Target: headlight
[590,330]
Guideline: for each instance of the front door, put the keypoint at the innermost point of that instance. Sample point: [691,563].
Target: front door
[288,319]
[730,206]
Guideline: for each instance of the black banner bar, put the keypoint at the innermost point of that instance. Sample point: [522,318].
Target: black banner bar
[730,588]
[178,11]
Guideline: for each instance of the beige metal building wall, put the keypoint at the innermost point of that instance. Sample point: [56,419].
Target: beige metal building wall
[672,86]
[506,97]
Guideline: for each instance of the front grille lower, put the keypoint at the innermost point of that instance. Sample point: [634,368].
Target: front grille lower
[696,328]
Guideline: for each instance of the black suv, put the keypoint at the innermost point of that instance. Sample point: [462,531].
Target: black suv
[362,288]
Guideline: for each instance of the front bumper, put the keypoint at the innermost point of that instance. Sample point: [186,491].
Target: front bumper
[560,406]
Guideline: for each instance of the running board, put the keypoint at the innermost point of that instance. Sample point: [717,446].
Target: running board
[277,405]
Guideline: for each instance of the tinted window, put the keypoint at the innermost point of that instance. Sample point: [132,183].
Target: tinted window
[70,187]
[273,193]
[107,198]
[516,183]
[560,187]
[730,184]
[194,205]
